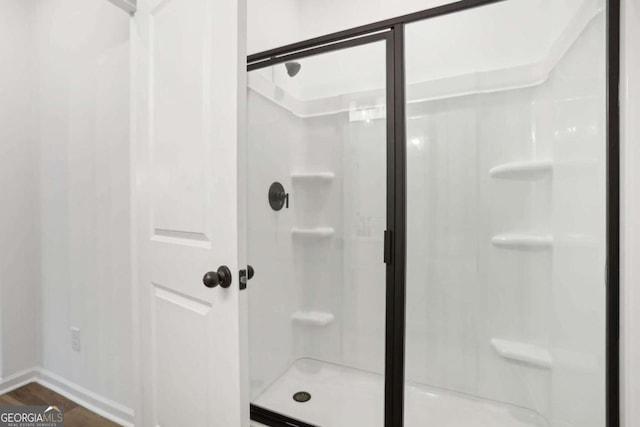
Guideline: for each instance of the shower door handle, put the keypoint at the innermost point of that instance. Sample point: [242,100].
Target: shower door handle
[387,247]
[221,277]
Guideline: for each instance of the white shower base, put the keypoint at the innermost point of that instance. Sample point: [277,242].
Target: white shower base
[342,396]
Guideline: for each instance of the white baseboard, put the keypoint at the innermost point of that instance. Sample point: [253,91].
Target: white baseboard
[101,405]
[109,409]
[17,380]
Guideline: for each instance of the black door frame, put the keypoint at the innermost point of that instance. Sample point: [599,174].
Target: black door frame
[392,31]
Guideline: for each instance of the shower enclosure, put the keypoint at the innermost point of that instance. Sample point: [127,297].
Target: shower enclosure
[432,207]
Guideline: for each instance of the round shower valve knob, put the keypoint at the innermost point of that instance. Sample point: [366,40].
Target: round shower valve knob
[221,277]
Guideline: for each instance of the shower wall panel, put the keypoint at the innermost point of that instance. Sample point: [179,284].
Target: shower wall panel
[270,249]
[506,250]
[332,276]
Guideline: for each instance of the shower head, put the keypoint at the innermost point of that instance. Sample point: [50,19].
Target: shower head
[292,68]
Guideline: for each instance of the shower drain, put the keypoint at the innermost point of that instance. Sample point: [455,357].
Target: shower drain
[302,396]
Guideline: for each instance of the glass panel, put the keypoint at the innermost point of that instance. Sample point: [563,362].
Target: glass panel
[506,216]
[317,126]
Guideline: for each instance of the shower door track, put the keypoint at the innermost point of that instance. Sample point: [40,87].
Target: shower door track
[392,30]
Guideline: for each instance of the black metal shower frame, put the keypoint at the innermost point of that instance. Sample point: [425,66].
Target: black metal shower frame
[392,32]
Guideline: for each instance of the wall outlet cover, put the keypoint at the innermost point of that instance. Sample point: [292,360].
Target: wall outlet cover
[75,339]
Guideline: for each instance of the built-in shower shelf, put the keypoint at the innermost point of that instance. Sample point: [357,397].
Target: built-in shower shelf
[312,176]
[530,354]
[523,241]
[312,318]
[528,170]
[317,232]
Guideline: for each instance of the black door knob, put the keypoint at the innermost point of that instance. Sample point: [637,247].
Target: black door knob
[221,277]
[250,272]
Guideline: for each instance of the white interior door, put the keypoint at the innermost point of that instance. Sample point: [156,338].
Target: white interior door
[189,67]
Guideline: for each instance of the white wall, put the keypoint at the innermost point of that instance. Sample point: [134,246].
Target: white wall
[630,231]
[271,24]
[64,186]
[278,22]
[19,212]
[83,106]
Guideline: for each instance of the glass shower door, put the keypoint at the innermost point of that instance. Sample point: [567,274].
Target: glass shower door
[506,179]
[317,200]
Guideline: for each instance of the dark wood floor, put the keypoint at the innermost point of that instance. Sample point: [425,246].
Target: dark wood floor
[74,414]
